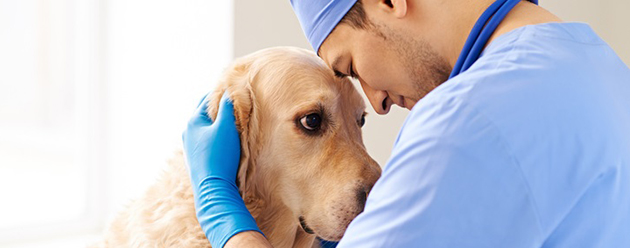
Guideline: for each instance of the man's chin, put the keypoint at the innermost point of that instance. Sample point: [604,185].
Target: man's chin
[409,103]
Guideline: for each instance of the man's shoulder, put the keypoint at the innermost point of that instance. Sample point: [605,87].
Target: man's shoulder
[543,72]
[462,96]
[445,112]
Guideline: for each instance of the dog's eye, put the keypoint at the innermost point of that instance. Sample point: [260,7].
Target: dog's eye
[311,122]
[362,121]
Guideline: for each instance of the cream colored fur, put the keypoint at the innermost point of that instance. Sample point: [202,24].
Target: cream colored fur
[284,173]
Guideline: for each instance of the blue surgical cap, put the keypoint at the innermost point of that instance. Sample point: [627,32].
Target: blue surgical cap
[319,17]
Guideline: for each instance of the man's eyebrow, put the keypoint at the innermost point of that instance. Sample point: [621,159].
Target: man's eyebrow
[335,65]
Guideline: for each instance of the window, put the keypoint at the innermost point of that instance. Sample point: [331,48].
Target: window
[42,126]
[94,96]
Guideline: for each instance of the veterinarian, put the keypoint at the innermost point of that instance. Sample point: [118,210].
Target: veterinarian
[518,135]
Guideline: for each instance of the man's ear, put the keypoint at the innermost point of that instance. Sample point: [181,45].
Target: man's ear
[237,82]
[396,7]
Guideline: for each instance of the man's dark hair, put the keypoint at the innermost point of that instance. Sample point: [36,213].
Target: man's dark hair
[356,17]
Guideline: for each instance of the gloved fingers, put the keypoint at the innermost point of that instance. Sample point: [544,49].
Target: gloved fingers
[203,99]
[200,117]
[226,110]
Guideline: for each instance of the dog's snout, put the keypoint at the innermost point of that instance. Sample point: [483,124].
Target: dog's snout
[362,194]
[370,174]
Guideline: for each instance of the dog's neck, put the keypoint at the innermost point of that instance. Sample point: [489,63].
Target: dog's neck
[278,223]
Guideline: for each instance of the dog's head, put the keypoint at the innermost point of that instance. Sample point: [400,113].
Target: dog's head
[302,149]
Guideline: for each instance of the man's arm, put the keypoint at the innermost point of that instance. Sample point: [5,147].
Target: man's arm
[251,239]
[451,182]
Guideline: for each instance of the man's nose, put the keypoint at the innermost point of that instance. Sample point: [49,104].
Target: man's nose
[378,99]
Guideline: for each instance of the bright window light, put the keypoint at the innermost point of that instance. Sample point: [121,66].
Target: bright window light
[94,96]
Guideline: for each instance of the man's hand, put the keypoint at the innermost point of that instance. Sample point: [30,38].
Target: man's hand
[212,155]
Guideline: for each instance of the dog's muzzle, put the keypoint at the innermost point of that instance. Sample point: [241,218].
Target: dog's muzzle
[305,227]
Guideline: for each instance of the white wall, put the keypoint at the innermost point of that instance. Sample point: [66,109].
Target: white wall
[261,24]
[609,18]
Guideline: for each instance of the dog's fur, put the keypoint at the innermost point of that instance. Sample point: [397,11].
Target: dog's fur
[286,173]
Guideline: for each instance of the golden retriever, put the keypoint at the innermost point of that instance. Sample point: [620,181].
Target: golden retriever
[304,171]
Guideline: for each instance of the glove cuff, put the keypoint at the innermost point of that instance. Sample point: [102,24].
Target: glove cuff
[221,211]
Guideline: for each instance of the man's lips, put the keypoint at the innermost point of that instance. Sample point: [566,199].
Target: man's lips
[402,102]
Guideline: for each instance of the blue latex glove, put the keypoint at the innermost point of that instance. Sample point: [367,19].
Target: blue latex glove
[212,153]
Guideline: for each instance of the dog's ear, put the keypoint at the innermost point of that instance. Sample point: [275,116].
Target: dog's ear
[237,80]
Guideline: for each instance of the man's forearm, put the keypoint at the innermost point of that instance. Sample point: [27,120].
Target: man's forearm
[248,239]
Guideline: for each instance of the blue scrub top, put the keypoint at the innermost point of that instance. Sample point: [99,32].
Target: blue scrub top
[528,148]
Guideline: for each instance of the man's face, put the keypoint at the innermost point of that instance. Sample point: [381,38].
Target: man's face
[392,66]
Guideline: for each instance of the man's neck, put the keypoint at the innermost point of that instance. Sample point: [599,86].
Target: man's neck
[523,14]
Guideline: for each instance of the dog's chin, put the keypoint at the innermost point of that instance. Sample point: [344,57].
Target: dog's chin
[329,234]
[334,238]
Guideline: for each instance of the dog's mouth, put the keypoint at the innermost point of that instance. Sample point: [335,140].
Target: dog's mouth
[305,227]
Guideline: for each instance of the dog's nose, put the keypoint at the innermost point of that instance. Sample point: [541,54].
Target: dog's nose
[362,194]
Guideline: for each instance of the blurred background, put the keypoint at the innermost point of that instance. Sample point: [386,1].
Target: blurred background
[94,95]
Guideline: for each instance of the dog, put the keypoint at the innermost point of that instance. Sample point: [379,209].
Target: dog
[304,171]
